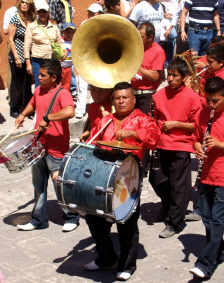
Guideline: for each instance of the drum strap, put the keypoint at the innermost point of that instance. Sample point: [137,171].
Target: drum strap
[50,108]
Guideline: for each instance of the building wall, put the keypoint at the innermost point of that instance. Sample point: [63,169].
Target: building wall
[80,15]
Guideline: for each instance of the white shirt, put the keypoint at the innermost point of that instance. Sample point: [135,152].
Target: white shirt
[7,17]
[146,12]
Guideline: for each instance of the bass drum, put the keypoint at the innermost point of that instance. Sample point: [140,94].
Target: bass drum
[99,182]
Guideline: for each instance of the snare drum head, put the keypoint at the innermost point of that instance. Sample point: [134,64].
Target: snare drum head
[18,144]
[126,186]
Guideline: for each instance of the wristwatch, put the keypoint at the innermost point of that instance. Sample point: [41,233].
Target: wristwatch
[45,118]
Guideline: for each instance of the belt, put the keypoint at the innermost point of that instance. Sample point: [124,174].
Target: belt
[144,91]
[200,26]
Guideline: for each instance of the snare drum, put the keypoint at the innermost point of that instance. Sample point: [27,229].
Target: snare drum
[93,181]
[23,153]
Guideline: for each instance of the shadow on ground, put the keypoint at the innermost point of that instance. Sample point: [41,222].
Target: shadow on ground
[15,217]
[84,252]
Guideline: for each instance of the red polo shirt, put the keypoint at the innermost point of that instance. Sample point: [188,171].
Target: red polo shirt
[154,59]
[55,138]
[213,168]
[176,105]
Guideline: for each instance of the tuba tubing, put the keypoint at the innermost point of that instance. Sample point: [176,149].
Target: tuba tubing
[107,49]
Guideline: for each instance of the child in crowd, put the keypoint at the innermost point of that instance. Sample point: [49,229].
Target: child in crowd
[210,148]
[68,30]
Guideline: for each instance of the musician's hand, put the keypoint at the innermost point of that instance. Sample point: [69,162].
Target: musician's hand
[211,142]
[121,134]
[42,126]
[19,120]
[169,125]
[84,136]
[199,151]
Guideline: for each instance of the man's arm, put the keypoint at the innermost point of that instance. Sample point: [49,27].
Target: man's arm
[182,23]
[65,113]
[217,22]
[151,75]
[169,125]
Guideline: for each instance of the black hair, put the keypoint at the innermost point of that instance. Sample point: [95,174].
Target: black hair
[216,52]
[214,85]
[180,65]
[122,85]
[149,29]
[53,67]
[110,3]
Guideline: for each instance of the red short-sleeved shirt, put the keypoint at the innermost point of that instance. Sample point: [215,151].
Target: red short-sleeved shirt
[145,127]
[181,105]
[213,168]
[56,137]
[154,59]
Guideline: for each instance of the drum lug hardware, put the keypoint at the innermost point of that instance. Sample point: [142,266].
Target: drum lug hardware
[72,205]
[110,190]
[61,180]
[99,211]
[100,190]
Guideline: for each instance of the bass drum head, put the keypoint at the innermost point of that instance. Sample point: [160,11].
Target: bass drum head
[126,190]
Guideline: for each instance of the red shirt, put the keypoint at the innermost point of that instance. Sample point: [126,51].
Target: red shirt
[176,105]
[204,76]
[213,168]
[55,138]
[154,59]
[145,127]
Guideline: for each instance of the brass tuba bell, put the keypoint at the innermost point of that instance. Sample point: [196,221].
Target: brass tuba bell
[107,49]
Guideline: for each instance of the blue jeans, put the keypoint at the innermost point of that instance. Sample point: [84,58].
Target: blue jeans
[73,82]
[36,63]
[211,205]
[41,171]
[199,40]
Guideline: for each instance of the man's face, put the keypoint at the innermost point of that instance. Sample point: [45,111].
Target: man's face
[213,65]
[215,101]
[146,40]
[46,81]
[124,101]
[116,8]
[174,78]
[100,95]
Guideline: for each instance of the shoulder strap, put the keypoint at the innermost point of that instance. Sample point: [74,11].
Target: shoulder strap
[50,108]
[44,30]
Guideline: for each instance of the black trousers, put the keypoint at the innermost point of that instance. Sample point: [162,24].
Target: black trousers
[143,102]
[128,238]
[20,88]
[175,192]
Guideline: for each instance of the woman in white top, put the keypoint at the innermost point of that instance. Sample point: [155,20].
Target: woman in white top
[38,37]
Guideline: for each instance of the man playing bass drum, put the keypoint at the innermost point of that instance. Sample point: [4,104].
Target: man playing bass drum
[132,127]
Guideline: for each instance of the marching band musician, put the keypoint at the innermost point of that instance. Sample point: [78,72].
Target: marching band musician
[210,148]
[134,127]
[175,109]
[101,106]
[55,139]
[149,75]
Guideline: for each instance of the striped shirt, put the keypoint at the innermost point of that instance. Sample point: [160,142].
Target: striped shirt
[201,11]
[221,11]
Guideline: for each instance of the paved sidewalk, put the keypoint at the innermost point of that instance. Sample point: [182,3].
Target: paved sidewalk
[51,256]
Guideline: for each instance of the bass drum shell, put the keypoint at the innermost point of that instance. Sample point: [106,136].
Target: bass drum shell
[97,182]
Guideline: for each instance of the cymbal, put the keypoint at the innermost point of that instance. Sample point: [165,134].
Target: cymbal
[119,144]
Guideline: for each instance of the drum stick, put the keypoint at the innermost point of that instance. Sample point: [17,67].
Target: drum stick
[9,134]
[100,131]
[25,134]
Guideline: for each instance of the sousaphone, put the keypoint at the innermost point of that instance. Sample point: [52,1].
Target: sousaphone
[107,49]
